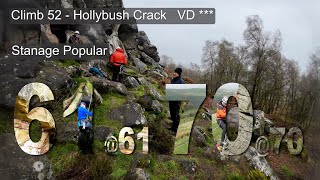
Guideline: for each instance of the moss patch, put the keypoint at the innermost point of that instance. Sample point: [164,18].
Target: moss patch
[67,63]
[120,165]
[110,101]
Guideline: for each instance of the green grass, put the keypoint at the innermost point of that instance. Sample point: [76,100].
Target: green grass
[61,156]
[183,136]
[140,91]
[234,176]
[6,124]
[216,131]
[80,80]
[256,174]
[287,172]
[98,146]
[166,170]
[120,165]
[35,130]
[67,63]
[110,101]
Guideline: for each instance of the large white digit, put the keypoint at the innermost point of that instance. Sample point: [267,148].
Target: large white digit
[242,142]
[144,136]
[195,94]
[23,118]
[123,139]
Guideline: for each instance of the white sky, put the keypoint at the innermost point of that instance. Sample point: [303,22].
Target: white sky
[297,20]
[185,86]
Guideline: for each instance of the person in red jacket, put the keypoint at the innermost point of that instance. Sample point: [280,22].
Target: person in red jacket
[117,60]
[221,115]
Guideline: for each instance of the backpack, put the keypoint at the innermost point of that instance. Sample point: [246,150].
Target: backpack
[96,71]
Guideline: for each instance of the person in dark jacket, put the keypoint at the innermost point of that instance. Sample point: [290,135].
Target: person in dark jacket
[174,106]
[117,60]
[74,39]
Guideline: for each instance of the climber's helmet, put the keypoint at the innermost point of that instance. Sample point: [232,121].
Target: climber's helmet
[224,101]
[76,33]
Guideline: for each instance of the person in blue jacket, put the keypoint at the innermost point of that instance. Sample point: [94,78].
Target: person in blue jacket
[83,114]
[174,106]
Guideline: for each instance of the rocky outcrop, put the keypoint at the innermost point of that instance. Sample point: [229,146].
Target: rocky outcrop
[129,115]
[17,73]
[131,82]
[150,105]
[259,163]
[16,164]
[198,136]
[188,165]
[147,47]
[147,59]
[137,174]
[102,132]
[261,125]
[154,94]
[68,132]
[104,85]
[47,36]
[141,66]
[143,81]
[156,75]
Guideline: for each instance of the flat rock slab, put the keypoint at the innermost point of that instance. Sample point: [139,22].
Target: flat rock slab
[16,164]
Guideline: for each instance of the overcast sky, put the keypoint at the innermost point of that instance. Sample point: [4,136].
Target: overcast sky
[297,20]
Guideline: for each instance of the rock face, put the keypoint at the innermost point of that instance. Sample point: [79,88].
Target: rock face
[156,75]
[259,163]
[150,105]
[261,125]
[157,107]
[137,174]
[140,65]
[14,74]
[199,136]
[47,36]
[104,85]
[129,115]
[188,165]
[148,48]
[143,81]
[155,94]
[146,102]
[102,132]
[16,164]
[131,82]
[147,59]
[68,132]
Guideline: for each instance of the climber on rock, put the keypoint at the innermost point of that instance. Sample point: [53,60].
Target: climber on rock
[174,106]
[74,39]
[221,115]
[83,114]
[118,60]
[85,128]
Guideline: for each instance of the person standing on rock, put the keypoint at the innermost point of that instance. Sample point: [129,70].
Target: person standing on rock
[118,60]
[74,39]
[174,106]
[221,115]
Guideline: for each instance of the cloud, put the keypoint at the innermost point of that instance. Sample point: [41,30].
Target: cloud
[295,19]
